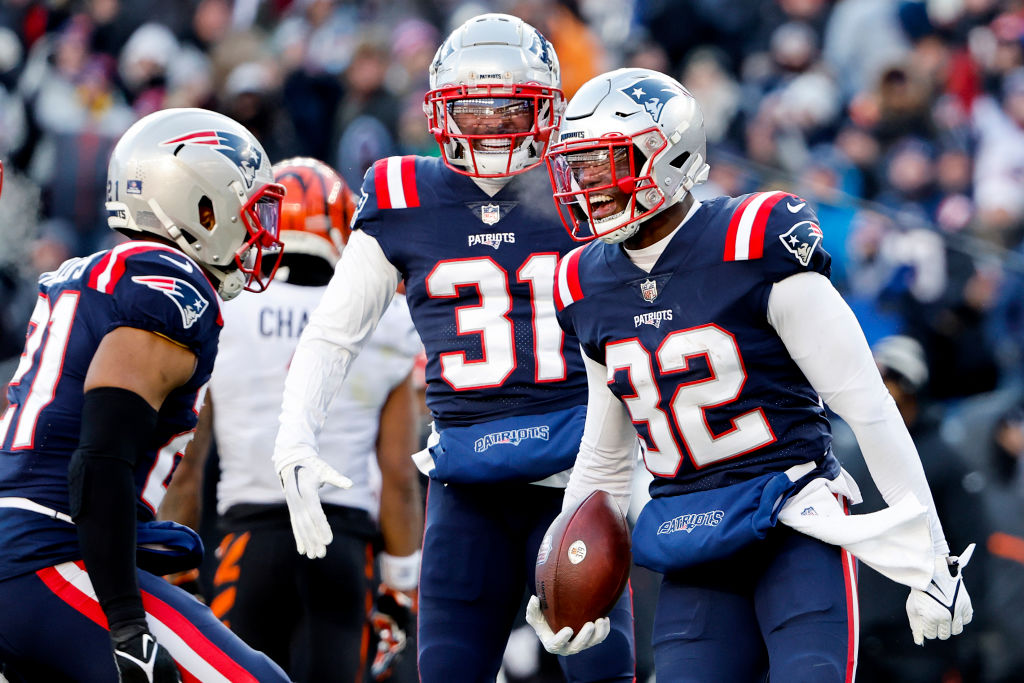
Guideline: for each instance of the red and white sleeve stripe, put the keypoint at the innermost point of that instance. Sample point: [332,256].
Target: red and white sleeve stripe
[567,282]
[745,239]
[106,273]
[394,180]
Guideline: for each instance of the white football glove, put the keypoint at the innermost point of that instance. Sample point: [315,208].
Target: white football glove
[302,480]
[944,608]
[562,643]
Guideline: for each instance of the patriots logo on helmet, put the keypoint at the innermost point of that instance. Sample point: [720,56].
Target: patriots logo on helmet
[801,240]
[539,47]
[236,148]
[187,298]
[651,94]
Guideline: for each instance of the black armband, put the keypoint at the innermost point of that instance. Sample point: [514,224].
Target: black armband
[116,426]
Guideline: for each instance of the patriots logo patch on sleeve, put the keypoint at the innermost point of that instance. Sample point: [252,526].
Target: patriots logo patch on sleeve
[801,240]
[187,298]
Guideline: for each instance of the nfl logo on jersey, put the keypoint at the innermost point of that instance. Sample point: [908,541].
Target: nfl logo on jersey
[490,214]
[649,290]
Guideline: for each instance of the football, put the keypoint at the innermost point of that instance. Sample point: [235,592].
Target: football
[583,563]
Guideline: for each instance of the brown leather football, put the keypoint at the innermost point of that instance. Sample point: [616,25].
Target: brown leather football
[583,563]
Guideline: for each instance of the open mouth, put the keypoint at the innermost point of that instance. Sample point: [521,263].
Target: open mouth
[604,206]
[492,145]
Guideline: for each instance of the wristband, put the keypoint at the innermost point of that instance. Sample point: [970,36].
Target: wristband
[401,573]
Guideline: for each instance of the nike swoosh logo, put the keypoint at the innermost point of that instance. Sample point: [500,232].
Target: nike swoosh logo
[148,654]
[793,208]
[951,607]
[184,265]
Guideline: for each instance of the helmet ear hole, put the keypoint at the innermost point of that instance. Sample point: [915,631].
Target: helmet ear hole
[680,160]
[207,218]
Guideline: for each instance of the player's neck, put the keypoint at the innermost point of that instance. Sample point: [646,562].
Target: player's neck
[659,227]
[492,186]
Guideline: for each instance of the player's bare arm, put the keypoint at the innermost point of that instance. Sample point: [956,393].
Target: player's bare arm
[183,502]
[401,507]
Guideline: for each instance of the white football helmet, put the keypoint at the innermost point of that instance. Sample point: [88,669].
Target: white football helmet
[631,144]
[500,77]
[202,182]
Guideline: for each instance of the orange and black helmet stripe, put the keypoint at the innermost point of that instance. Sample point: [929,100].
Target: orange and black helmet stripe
[317,201]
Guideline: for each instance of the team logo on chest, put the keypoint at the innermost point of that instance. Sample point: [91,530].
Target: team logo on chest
[801,240]
[649,290]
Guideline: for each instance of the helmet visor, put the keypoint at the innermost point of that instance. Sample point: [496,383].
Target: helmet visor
[489,124]
[259,257]
[594,183]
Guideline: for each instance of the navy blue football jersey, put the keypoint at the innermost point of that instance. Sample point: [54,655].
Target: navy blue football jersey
[479,275]
[709,385]
[143,285]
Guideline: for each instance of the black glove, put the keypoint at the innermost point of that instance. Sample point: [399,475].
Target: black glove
[391,618]
[140,659]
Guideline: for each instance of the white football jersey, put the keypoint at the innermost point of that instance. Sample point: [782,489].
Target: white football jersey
[256,345]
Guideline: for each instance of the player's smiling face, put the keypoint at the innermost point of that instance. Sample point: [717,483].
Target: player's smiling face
[502,117]
[602,172]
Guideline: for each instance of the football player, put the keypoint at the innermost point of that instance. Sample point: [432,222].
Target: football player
[311,617]
[711,330]
[476,241]
[119,350]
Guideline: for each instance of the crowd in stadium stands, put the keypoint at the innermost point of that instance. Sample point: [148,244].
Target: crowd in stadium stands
[901,121]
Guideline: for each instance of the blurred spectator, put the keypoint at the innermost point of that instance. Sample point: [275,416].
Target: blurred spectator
[887,651]
[364,140]
[999,168]
[251,97]
[714,88]
[366,87]
[791,100]
[143,66]
[19,226]
[1004,503]
[862,37]
[78,114]
[580,55]
[413,44]
[911,183]
[826,183]
[319,33]
[366,121]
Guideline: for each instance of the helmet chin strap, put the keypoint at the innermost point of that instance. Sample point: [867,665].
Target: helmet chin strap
[231,285]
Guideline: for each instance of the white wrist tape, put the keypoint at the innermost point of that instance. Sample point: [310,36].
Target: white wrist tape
[401,573]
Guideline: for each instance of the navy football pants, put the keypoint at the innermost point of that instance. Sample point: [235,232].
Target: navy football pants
[52,630]
[479,554]
[783,609]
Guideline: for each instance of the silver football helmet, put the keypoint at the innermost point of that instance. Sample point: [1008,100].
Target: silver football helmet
[495,96]
[202,182]
[631,144]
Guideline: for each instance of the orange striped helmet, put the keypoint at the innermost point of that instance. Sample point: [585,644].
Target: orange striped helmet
[316,210]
